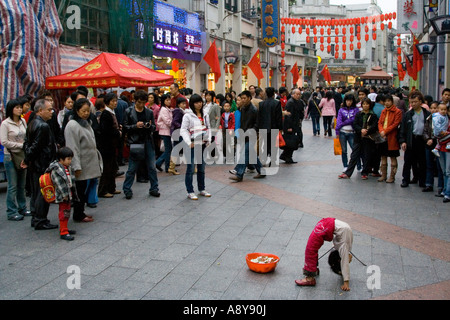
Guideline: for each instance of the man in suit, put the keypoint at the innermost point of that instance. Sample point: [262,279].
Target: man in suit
[270,118]
[291,125]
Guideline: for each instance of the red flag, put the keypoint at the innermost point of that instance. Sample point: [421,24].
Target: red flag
[212,59]
[417,57]
[326,73]
[294,72]
[411,71]
[255,65]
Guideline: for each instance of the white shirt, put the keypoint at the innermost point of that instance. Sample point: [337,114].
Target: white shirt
[343,240]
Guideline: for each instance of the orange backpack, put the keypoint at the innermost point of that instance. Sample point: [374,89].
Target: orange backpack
[47,188]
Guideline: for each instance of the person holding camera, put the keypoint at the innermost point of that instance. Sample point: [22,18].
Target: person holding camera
[139,125]
[164,123]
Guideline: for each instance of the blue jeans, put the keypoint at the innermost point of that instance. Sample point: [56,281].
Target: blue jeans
[315,123]
[133,167]
[240,167]
[345,137]
[91,191]
[444,161]
[188,179]
[165,157]
[15,195]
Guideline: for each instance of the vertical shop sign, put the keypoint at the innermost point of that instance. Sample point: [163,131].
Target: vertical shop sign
[270,22]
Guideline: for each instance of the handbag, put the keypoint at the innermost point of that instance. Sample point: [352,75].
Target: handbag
[377,138]
[291,141]
[337,147]
[137,151]
[17,157]
[280,141]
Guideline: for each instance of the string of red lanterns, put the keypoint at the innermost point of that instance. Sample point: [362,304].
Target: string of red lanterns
[323,26]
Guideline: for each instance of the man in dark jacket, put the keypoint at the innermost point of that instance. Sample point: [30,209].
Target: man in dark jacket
[269,118]
[412,141]
[291,128]
[249,115]
[40,151]
[139,124]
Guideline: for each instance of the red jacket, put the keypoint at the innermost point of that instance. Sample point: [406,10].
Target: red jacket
[323,231]
[230,121]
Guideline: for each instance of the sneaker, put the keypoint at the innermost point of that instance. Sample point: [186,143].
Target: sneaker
[67,237]
[364,177]
[205,194]
[192,196]
[128,196]
[435,152]
[343,176]
[251,170]
[345,169]
[232,171]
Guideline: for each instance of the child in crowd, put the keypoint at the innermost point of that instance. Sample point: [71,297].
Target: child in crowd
[63,180]
[440,125]
[227,124]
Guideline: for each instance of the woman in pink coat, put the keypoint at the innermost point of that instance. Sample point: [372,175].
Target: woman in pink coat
[164,122]
[328,107]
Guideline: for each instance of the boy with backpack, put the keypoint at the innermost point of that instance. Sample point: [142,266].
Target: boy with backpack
[63,179]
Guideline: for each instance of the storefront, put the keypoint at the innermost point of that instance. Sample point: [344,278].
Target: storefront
[177,42]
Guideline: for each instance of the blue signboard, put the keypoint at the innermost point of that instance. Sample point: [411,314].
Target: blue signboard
[176,42]
[270,22]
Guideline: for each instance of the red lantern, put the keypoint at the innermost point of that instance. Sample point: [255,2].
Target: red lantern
[283,37]
[336,55]
[293,29]
[374,36]
[344,30]
[336,39]
[283,62]
[308,39]
[367,37]
[344,47]
[328,48]
[315,39]
[344,39]
[226,68]
[322,47]
[300,30]
[352,37]
[352,30]
[329,31]
[329,40]
[351,47]
[283,45]
[244,71]
[390,16]
[271,72]
[336,31]
[344,56]
[399,51]
[390,25]
[358,45]
[336,47]
[322,39]
[322,31]
[358,36]
[231,68]
[315,31]
[283,54]
[399,42]
[374,28]
[366,28]
[358,29]
[382,26]
[283,29]
[307,30]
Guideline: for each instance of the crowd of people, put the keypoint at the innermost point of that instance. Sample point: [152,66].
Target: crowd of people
[84,144]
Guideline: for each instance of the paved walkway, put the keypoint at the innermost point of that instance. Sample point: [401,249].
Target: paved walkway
[172,248]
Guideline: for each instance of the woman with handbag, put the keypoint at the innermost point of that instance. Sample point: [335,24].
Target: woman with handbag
[314,113]
[12,135]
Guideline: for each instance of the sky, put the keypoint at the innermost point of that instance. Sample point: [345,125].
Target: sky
[386,6]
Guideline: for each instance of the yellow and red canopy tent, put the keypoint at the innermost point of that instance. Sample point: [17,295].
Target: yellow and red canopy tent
[110,70]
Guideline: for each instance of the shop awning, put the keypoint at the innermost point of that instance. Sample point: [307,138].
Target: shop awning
[109,70]
[376,73]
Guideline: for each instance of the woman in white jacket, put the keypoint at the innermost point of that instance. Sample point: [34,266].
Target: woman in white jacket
[195,133]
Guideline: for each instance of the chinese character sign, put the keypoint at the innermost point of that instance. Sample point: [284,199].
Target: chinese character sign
[270,22]
[409,16]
